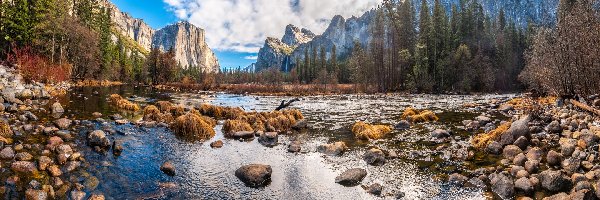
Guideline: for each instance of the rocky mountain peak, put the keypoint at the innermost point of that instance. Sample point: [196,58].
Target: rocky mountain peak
[294,35]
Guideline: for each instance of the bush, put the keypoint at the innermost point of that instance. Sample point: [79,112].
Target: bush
[364,131]
[151,113]
[415,116]
[192,127]
[122,103]
[232,126]
[35,67]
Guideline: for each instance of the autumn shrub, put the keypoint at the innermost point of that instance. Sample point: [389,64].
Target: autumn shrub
[192,127]
[233,126]
[177,110]
[151,113]
[416,116]
[364,131]
[164,106]
[122,103]
[35,67]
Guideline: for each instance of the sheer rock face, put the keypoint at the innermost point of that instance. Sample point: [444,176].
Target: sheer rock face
[188,42]
[276,52]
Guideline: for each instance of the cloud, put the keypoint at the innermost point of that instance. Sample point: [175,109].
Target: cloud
[251,57]
[243,25]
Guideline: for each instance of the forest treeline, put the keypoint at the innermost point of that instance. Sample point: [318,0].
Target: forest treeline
[434,50]
[58,40]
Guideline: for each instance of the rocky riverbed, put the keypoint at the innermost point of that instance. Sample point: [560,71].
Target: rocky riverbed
[79,145]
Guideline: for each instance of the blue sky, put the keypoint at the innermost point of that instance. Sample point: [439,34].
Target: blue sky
[157,14]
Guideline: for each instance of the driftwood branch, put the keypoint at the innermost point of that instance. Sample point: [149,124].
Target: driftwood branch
[585,107]
[285,105]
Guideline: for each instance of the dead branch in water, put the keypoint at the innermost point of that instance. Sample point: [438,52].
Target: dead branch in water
[585,107]
[285,105]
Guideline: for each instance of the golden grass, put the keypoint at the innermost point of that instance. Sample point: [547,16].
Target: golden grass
[5,130]
[364,131]
[258,121]
[164,106]
[193,127]
[151,113]
[177,110]
[96,83]
[484,139]
[528,103]
[122,103]
[416,116]
[232,126]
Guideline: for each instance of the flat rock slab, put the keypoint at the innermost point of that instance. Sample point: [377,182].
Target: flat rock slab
[351,177]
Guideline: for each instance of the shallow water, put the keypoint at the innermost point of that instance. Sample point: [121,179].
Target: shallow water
[206,173]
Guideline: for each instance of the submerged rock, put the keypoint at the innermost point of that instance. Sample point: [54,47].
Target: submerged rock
[374,157]
[23,166]
[216,144]
[375,189]
[295,146]
[268,139]
[351,177]
[33,194]
[254,175]
[98,138]
[63,123]
[168,168]
[440,133]
[334,149]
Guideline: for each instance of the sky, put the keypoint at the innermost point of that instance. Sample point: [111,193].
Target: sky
[236,29]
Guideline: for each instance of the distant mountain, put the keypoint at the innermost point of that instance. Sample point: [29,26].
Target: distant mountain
[187,40]
[343,32]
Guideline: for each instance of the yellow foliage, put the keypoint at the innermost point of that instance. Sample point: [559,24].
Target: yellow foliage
[232,126]
[364,131]
[123,103]
[193,127]
[482,140]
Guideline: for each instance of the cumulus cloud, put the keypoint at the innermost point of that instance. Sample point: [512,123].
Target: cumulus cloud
[251,57]
[243,25]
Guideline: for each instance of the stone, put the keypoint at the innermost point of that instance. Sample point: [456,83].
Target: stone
[374,157]
[570,165]
[521,142]
[503,186]
[532,166]
[402,125]
[524,185]
[243,134]
[517,129]
[440,133]
[300,125]
[535,153]
[554,127]
[351,177]
[33,194]
[98,138]
[72,165]
[168,168]
[25,94]
[511,151]
[216,144]
[254,175]
[96,197]
[117,147]
[587,139]
[268,139]
[23,166]
[457,179]
[519,159]
[30,116]
[375,189]
[54,142]
[63,123]
[97,115]
[333,149]
[553,158]
[494,148]
[294,146]
[57,108]
[23,156]
[582,185]
[77,195]
[567,146]
[44,162]
[483,119]
[554,181]
[7,153]
[54,170]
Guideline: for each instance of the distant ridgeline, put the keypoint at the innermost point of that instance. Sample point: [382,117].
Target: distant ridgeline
[187,40]
[343,33]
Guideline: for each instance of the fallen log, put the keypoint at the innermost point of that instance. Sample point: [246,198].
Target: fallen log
[285,105]
[585,107]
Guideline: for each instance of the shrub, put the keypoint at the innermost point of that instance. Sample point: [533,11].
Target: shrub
[364,131]
[415,116]
[123,103]
[164,106]
[151,113]
[35,67]
[192,127]
[232,126]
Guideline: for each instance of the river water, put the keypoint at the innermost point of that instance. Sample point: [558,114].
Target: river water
[206,173]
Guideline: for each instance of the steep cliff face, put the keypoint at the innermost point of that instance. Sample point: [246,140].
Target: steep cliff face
[187,40]
[189,45]
[276,53]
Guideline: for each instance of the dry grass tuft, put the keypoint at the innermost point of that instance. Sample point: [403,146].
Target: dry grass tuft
[5,130]
[193,127]
[258,121]
[364,131]
[151,113]
[232,126]
[415,116]
[484,139]
[177,110]
[123,103]
[164,106]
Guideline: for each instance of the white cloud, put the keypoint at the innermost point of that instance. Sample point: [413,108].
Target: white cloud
[243,25]
[251,57]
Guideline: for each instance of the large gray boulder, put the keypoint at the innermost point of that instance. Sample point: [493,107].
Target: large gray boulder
[517,129]
[554,181]
[503,186]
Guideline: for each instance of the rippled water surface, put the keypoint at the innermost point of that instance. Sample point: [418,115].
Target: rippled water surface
[206,173]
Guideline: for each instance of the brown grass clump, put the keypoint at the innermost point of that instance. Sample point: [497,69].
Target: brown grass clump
[193,127]
[280,123]
[212,111]
[5,130]
[151,113]
[484,139]
[294,112]
[177,110]
[164,106]
[123,103]
[232,126]
[167,118]
[364,131]
[415,116]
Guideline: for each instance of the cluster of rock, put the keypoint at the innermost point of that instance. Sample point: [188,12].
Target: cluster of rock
[31,149]
[554,149]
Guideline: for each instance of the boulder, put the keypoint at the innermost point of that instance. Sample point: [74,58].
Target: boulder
[351,177]
[168,168]
[521,142]
[440,133]
[23,156]
[457,179]
[535,153]
[494,148]
[23,166]
[402,125]
[216,144]
[57,108]
[517,129]
[374,157]
[117,147]
[254,175]
[63,123]
[375,189]
[294,146]
[503,186]
[333,149]
[268,139]
[532,166]
[554,127]
[98,138]
[554,181]
[7,153]
[554,158]
[511,151]
[524,185]
[520,159]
